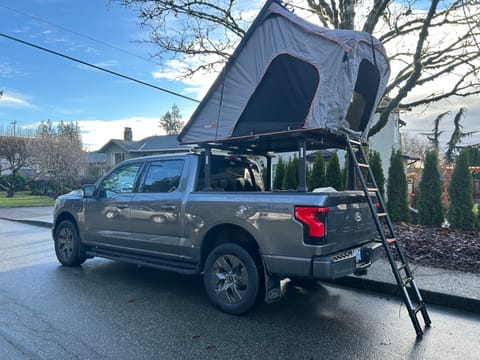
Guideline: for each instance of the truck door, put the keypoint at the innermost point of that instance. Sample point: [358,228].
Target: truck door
[107,214]
[156,211]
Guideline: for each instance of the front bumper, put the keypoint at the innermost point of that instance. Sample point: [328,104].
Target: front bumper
[346,262]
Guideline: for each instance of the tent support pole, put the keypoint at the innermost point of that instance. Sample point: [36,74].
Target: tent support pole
[302,165]
[268,185]
[208,167]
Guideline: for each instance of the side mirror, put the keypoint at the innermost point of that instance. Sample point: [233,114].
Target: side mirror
[88,191]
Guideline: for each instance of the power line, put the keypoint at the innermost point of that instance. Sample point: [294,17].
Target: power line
[97,67]
[77,33]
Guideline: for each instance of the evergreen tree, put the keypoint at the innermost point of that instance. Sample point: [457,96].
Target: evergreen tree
[290,180]
[333,176]
[430,211]
[397,190]
[377,170]
[171,121]
[460,212]
[317,175]
[279,174]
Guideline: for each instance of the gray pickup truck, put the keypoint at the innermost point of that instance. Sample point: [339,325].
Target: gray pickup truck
[156,211]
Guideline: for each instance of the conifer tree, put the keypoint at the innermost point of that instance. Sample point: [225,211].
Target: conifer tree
[317,175]
[397,190]
[460,212]
[377,170]
[290,180]
[430,210]
[279,174]
[333,175]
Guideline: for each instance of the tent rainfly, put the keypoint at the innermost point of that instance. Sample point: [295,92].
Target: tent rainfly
[288,75]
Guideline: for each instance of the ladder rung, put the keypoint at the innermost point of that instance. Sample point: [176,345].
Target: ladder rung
[382,214]
[407,280]
[419,307]
[391,241]
[372,189]
[401,267]
[363,165]
[355,142]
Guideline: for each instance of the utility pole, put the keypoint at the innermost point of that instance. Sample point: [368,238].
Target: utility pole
[14,123]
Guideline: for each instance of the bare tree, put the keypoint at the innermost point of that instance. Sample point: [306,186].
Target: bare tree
[171,121]
[59,155]
[15,153]
[427,41]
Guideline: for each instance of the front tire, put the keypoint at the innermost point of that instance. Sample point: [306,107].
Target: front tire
[67,244]
[232,278]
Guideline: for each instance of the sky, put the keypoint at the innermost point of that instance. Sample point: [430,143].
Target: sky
[38,86]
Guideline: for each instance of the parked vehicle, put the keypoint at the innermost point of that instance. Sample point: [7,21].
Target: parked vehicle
[175,212]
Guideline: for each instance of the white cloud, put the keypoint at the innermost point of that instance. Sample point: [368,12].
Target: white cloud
[197,85]
[96,133]
[11,99]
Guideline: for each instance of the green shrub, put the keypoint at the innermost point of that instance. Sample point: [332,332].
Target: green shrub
[377,170]
[317,175]
[279,174]
[333,176]
[460,193]
[397,190]
[430,210]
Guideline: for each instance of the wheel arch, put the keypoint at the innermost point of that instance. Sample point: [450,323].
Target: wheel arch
[229,233]
[62,217]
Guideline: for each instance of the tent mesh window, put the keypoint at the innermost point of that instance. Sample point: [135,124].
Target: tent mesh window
[282,99]
[363,98]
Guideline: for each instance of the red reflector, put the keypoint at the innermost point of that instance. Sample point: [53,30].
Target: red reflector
[313,218]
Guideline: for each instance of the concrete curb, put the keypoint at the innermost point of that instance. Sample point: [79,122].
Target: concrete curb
[430,297]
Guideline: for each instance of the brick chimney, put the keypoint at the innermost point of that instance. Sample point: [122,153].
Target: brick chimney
[127,134]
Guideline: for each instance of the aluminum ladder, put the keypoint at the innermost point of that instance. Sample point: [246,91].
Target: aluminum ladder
[402,272]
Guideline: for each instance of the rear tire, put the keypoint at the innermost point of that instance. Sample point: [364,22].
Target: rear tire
[232,278]
[67,244]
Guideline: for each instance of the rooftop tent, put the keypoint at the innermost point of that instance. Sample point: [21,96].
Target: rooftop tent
[288,75]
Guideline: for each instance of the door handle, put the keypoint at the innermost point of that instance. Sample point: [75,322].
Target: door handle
[168,207]
[121,206]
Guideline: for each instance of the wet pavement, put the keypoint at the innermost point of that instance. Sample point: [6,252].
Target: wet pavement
[443,287]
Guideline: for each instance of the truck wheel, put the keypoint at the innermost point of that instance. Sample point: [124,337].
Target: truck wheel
[67,244]
[232,278]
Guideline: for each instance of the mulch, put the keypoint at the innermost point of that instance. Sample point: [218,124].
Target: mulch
[442,248]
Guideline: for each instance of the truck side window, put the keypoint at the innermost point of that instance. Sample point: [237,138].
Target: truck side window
[121,180]
[231,173]
[163,176]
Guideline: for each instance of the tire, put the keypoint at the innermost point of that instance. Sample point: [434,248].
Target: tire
[232,278]
[67,244]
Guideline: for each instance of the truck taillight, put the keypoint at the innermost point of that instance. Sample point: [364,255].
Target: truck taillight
[313,218]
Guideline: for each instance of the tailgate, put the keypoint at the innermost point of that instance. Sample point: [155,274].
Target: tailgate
[350,220]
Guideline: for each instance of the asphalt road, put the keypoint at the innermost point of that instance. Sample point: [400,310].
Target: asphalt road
[111,310]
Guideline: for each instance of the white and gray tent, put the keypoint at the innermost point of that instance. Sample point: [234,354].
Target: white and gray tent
[290,76]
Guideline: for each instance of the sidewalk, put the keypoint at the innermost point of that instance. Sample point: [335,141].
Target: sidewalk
[449,288]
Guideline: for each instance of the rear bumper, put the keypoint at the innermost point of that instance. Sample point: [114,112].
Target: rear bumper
[328,267]
[346,262]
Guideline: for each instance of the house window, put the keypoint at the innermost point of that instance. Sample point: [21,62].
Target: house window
[118,157]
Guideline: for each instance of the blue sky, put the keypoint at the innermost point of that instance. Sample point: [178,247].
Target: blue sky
[40,86]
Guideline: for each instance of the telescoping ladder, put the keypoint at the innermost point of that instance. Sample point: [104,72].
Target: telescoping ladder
[403,274]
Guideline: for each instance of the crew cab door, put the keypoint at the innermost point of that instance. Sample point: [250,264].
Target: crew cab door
[107,213]
[156,210]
